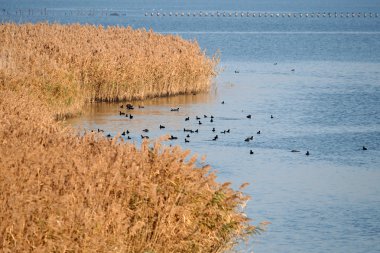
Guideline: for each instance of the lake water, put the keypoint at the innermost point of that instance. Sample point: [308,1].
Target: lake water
[329,105]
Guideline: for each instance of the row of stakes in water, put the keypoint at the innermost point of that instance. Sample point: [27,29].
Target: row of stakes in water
[250,14]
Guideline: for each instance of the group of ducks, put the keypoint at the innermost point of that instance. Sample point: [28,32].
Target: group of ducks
[188,131]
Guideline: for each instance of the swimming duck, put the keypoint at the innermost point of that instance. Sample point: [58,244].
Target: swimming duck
[109,136]
[222,102]
[145,130]
[188,136]
[199,122]
[259,132]
[187,118]
[197,118]
[161,126]
[215,138]
[121,113]
[173,137]
[294,151]
[307,153]
[213,129]
[251,152]
[123,134]
[186,140]
[144,137]
[211,120]
[364,148]
[271,116]
[174,110]
[129,106]
[130,116]
[249,116]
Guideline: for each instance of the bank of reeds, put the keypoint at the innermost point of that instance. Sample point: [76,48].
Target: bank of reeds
[61,192]
[69,65]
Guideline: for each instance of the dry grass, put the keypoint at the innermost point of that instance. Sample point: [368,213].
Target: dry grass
[61,192]
[69,65]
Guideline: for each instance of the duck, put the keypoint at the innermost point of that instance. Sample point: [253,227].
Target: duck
[204,116]
[293,70]
[222,102]
[215,138]
[199,123]
[129,106]
[130,116]
[109,136]
[213,129]
[259,132]
[294,151]
[251,152]
[364,148]
[144,137]
[145,130]
[211,116]
[237,72]
[223,132]
[271,116]
[249,116]
[228,131]
[121,113]
[197,118]
[123,133]
[307,153]
[174,109]
[161,126]
[188,136]
[196,131]
[186,140]
[173,137]
[126,115]
[129,137]
[211,120]
[187,118]
[127,132]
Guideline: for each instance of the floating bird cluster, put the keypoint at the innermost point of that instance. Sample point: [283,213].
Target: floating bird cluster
[188,131]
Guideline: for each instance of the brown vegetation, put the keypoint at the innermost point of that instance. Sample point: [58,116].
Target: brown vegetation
[69,65]
[60,192]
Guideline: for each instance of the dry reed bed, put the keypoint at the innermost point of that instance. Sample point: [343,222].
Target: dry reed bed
[61,192]
[68,65]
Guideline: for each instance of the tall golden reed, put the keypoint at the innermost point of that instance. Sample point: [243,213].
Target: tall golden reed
[69,65]
[61,192]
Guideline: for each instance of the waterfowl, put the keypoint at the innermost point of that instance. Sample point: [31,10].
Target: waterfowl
[186,140]
[161,126]
[100,130]
[197,118]
[108,136]
[223,132]
[129,138]
[188,136]
[130,116]
[123,133]
[174,109]
[127,132]
[173,137]
[196,131]
[251,138]
[236,71]
[126,115]
[187,118]
[259,132]
[249,116]
[251,152]
[215,138]
[222,102]
[211,120]
[228,131]
[199,122]
[293,70]
[129,106]
[271,116]
[145,130]
[247,139]
[213,129]
[307,153]
[121,113]
[121,106]
[144,137]
[364,148]
[211,116]
[204,116]
[294,151]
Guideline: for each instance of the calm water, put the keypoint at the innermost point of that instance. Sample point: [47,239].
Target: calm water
[330,105]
